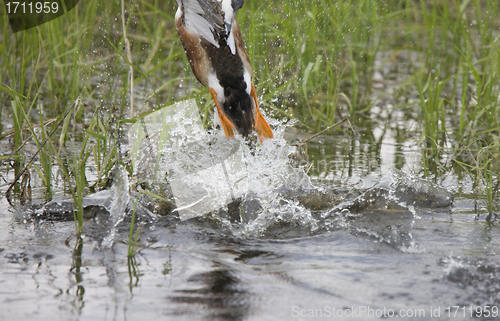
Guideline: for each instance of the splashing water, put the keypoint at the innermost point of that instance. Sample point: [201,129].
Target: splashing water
[119,201]
[235,180]
[252,190]
[114,203]
[387,211]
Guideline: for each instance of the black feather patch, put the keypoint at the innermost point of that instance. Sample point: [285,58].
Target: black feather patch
[229,71]
[236,4]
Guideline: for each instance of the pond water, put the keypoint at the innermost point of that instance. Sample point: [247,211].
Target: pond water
[357,235]
[369,244]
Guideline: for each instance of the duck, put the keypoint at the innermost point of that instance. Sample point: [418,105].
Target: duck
[214,47]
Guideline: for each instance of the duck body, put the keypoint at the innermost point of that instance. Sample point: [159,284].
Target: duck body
[212,40]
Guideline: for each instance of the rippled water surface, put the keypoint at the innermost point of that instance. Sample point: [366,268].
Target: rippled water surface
[286,245]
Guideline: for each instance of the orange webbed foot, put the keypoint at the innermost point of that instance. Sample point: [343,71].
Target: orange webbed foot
[261,126]
[226,123]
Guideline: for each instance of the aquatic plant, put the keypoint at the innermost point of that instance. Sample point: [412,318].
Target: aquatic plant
[482,164]
[313,60]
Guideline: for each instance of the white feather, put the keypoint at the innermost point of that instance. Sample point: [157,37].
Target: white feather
[195,23]
[230,43]
[228,11]
[248,81]
[213,82]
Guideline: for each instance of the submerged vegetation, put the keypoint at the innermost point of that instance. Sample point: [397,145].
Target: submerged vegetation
[318,61]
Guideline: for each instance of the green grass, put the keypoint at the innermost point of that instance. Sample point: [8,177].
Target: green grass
[313,60]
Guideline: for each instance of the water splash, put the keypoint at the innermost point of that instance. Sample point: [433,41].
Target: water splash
[106,210]
[253,190]
[479,275]
[242,184]
[387,211]
[119,201]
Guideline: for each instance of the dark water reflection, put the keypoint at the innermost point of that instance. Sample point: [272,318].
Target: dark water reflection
[220,293]
[76,270]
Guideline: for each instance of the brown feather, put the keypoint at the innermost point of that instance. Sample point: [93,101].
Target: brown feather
[197,56]
[240,48]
